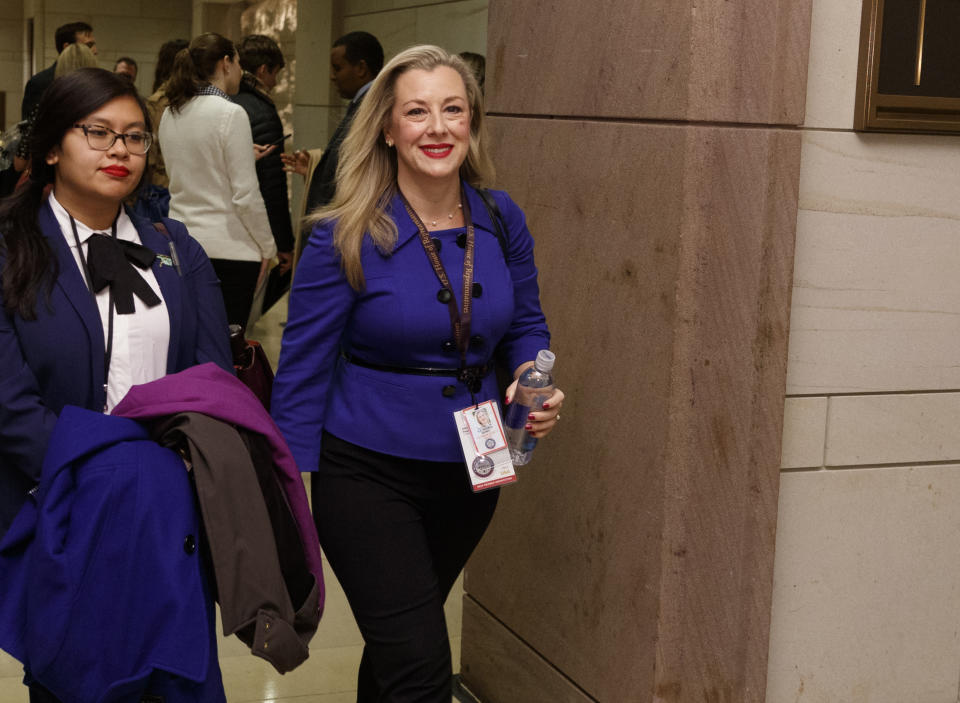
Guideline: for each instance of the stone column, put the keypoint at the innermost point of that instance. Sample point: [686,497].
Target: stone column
[655,150]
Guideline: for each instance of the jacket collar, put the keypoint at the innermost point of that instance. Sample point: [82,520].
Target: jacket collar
[167,278]
[70,280]
[407,229]
[75,288]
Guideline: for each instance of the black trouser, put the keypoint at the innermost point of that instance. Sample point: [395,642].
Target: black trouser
[238,282]
[397,532]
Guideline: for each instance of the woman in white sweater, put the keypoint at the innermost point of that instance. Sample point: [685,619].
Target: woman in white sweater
[209,153]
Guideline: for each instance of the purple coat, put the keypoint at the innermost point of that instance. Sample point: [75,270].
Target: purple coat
[210,390]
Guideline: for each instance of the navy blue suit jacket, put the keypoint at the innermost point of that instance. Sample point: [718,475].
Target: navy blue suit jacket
[397,320]
[57,359]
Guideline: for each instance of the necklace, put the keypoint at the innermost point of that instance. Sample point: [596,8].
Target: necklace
[434,223]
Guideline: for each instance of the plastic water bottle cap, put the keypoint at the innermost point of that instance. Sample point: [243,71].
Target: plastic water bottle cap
[545,360]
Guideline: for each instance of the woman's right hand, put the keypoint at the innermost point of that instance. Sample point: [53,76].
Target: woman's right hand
[297,162]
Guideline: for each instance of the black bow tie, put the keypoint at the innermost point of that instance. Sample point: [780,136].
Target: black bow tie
[109,261]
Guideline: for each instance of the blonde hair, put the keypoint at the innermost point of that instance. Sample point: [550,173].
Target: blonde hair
[72,57]
[367,168]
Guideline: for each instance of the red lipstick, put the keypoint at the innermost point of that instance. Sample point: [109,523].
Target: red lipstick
[116,171]
[437,151]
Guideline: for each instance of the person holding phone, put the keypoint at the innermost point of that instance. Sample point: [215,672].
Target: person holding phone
[262,61]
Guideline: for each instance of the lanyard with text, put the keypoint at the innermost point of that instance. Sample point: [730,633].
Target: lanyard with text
[108,352]
[459,319]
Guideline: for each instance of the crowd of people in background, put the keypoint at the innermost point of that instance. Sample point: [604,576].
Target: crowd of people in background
[374,358]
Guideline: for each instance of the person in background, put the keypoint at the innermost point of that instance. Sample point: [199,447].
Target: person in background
[72,33]
[375,360]
[209,152]
[69,340]
[355,60]
[74,56]
[262,60]
[157,103]
[126,66]
[477,64]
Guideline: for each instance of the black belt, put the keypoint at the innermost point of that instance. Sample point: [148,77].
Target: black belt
[470,375]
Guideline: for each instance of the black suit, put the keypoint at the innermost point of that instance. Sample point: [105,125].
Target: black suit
[324,183]
[35,89]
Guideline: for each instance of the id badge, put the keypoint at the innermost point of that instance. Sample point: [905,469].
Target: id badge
[484,446]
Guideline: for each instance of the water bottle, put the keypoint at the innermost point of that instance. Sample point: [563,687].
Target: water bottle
[533,389]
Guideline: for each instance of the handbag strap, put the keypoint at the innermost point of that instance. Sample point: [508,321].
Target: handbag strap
[496,217]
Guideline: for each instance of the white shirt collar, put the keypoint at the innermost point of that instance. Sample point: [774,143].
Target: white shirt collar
[125,228]
[361,92]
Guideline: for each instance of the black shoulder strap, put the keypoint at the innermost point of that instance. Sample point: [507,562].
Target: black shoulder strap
[499,223]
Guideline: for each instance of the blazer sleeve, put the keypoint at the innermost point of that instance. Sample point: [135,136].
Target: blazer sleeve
[25,422]
[528,331]
[242,174]
[203,296]
[321,302]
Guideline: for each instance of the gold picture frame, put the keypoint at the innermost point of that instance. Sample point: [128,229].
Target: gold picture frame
[908,78]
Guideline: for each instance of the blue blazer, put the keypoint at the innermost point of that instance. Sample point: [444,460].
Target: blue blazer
[397,320]
[103,592]
[57,359]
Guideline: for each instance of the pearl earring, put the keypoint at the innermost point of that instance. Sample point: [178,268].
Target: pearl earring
[389,142]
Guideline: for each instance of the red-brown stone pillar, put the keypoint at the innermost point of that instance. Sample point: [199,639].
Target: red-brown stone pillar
[654,148]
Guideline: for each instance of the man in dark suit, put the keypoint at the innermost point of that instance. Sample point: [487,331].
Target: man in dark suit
[355,60]
[72,33]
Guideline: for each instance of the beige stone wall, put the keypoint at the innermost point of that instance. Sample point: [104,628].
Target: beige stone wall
[121,28]
[866,587]
[11,61]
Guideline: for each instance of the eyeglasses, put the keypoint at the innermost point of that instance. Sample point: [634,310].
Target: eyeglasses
[102,138]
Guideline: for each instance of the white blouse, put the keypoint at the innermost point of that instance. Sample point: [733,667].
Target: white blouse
[140,340]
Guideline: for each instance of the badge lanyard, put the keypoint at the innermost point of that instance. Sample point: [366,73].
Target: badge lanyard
[108,352]
[459,319]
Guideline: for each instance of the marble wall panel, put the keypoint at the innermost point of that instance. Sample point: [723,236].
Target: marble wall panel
[359,7]
[171,9]
[395,30]
[733,62]
[891,429]
[663,275]
[832,71]
[456,26]
[876,302]
[11,10]
[804,432]
[500,667]
[866,587]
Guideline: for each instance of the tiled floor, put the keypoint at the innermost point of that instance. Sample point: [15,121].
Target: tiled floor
[329,675]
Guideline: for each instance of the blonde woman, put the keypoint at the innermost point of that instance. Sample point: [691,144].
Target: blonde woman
[72,57]
[377,356]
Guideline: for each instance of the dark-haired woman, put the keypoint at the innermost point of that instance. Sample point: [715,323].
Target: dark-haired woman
[208,148]
[79,323]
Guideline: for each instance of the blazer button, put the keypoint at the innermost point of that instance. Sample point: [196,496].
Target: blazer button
[190,544]
[477,290]
[438,245]
[444,295]
[478,340]
[449,391]
[448,347]
[462,240]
